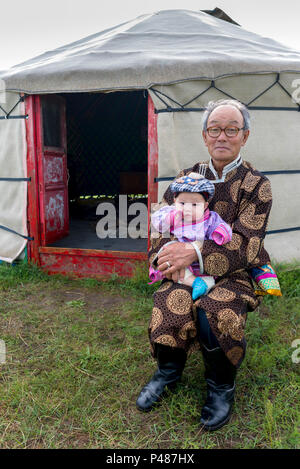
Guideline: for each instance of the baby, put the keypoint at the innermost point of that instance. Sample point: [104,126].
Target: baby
[189,219]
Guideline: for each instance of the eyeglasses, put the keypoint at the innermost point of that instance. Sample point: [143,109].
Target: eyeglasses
[230,131]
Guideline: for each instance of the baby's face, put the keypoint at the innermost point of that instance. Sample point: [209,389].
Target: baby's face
[192,205]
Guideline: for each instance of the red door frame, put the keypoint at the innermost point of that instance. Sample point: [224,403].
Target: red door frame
[33,206]
[152,158]
[81,262]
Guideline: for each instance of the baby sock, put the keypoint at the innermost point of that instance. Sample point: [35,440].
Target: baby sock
[201,286]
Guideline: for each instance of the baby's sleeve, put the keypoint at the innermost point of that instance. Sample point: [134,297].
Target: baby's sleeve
[163,219]
[221,232]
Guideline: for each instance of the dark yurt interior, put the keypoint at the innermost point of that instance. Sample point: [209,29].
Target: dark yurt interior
[106,137]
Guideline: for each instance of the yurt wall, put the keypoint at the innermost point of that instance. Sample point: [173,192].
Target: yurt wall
[13,176]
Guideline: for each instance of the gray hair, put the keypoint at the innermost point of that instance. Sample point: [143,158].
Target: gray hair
[212,105]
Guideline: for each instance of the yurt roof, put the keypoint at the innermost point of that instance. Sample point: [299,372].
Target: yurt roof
[158,48]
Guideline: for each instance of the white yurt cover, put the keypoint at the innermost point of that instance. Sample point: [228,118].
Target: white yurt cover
[162,47]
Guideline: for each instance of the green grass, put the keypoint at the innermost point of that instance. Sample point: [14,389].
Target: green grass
[78,355]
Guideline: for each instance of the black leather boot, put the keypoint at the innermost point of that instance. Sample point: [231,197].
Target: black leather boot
[170,363]
[220,378]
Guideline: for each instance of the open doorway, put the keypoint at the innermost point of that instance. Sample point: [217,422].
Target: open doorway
[106,157]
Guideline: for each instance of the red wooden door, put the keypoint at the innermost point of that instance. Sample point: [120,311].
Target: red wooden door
[52,167]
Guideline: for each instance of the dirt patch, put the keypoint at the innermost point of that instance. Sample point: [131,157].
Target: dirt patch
[51,299]
[73,437]
[18,321]
[77,440]
[89,300]
[11,326]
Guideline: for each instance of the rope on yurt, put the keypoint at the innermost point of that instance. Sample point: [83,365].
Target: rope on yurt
[184,108]
[15,232]
[281,171]
[7,115]
[15,179]
[283,230]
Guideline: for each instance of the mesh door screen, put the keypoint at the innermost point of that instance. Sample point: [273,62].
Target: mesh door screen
[106,137]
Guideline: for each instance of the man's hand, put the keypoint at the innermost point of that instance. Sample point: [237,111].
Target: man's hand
[174,258]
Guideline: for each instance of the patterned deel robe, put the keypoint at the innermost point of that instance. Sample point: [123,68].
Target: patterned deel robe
[244,201]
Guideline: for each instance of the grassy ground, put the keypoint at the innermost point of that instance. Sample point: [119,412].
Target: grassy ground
[77,356]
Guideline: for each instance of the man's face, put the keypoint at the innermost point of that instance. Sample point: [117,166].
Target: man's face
[225,149]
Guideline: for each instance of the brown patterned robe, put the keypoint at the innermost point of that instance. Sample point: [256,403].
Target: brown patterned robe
[244,201]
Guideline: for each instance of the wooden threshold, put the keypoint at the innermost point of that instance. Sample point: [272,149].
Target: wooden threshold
[89,262]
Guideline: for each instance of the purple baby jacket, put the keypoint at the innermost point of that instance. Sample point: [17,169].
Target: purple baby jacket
[211,226]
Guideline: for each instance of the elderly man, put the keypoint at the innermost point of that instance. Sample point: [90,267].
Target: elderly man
[243,199]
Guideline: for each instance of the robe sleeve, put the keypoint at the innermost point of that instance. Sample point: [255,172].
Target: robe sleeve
[248,232]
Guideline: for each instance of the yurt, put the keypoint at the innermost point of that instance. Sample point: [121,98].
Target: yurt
[112,118]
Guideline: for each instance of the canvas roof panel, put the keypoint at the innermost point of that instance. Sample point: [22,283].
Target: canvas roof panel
[158,48]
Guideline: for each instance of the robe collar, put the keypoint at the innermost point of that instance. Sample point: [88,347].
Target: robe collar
[227,169]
